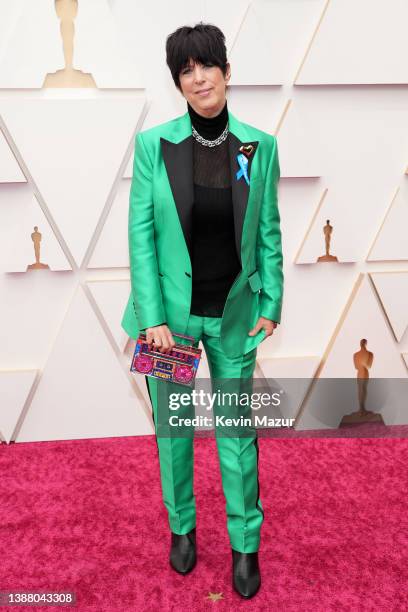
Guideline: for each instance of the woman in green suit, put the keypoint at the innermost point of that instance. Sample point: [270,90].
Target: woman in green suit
[206,261]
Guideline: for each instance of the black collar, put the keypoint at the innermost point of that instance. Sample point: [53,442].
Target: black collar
[209,127]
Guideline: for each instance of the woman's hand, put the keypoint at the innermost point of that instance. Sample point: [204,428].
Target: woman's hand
[266,324]
[162,338]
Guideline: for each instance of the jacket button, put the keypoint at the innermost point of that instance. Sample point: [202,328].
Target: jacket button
[187,274]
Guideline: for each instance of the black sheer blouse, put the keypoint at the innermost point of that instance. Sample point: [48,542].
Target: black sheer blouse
[215,263]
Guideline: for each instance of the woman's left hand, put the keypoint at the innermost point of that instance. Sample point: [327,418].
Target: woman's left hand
[265,324]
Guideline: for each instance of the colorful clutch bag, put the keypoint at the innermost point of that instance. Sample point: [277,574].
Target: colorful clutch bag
[179,365]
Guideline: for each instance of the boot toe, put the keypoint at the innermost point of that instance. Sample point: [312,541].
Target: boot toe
[183,552]
[246,574]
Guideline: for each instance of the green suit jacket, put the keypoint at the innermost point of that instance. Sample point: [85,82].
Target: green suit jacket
[160,223]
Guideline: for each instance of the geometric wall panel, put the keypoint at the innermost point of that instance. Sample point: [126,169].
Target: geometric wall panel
[83,391]
[9,15]
[362,137]
[145,37]
[33,26]
[227,15]
[392,289]
[299,369]
[331,240]
[112,250]
[22,213]
[203,369]
[265,110]
[297,155]
[362,319]
[297,202]
[328,402]
[129,168]
[111,297]
[100,50]
[279,31]
[10,171]
[108,298]
[73,150]
[15,385]
[362,42]
[289,367]
[32,307]
[272,112]
[97,50]
[391,242]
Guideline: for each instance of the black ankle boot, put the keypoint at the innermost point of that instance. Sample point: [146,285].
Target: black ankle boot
[245,571]
[183,551]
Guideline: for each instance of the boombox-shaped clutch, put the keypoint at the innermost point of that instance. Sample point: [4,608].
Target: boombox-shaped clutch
[178,365]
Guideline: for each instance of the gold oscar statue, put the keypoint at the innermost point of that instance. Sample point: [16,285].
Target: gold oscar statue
[327,231]
[36,238]
[363,360]
[68,77]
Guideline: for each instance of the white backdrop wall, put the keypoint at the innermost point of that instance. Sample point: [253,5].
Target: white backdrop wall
[328,78]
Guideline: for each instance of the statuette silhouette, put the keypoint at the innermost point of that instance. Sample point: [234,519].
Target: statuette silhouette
[36,237]
[68,77]
[327,231]
[363,360]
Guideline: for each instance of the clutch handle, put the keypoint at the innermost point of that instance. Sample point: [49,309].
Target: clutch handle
[191,338]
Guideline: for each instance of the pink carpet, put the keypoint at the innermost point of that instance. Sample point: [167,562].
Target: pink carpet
[87,516]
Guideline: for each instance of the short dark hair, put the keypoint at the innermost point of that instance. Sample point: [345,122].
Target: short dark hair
[204,43]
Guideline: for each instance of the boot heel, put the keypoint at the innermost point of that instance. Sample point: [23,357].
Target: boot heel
[183,555]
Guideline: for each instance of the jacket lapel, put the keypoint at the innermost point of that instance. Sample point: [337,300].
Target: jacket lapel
[178,159]
[177,153]
[240,188]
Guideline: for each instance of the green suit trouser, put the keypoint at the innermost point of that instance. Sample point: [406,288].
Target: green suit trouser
[238,455]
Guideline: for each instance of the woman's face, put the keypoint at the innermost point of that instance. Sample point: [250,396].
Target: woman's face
[204,86]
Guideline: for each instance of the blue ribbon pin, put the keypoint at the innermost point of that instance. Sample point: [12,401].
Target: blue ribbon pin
[243,164]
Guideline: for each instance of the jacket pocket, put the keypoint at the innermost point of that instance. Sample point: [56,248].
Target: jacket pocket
[255,281]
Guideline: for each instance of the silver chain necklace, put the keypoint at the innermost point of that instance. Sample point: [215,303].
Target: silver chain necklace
[210,143]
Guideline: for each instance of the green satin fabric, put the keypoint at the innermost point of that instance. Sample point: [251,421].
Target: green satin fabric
[160,264]
[238,456]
